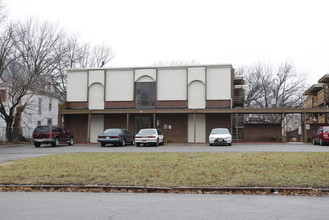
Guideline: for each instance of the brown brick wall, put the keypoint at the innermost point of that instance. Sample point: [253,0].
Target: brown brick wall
[172,104]
[178,132]
[217,121]
[115,121]
[261,132]
[78,126]
[77,104]
[119,104]
[218,103]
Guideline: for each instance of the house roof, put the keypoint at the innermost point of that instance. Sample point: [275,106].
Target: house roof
[324,79]
[314,89]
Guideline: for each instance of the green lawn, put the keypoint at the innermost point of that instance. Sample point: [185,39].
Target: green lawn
[172,169]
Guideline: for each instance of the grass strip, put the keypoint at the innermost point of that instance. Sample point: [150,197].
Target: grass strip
[172,169]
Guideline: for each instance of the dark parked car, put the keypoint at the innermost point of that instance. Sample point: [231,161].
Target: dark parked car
[51,135]
[321,136]
[116,136]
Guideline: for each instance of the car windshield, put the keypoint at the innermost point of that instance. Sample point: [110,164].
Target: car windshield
[147,131]
[325,129]
[113,131]
[42,129]
[220,131]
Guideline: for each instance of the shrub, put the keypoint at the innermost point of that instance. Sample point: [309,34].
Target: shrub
[273,138]
[280,139]
[169,141]
[309,139]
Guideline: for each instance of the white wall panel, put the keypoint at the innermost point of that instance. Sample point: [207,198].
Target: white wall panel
[120,85]
[172,84]
[96,96]
[219,83]
[96,76]
[197,73]
[96,127]
[77,86]
[200,128]
[145,72]
[145,79]
[196,95]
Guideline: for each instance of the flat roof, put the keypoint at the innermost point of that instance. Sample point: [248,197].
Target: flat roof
[324,79]
[153,67]
[314,89]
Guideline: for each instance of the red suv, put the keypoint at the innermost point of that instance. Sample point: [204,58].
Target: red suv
[321,136]
[51,135]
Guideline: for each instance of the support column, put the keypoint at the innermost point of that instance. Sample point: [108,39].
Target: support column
[236,127]
[89,126]
[194,120]
[127,121]
[305,127]
[154,122]
[284,127]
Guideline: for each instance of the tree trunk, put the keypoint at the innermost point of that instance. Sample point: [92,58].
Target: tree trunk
[9,130]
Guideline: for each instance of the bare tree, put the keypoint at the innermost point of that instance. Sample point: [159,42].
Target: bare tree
[80,55]
[29,52]
[177,63]
[268,87]
[273,87]
[3,12]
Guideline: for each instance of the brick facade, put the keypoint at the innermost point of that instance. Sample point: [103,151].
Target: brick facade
[77,105]
[126,104]
[178,131]
[171,104]
[218,103]
[261,132]
[78,126]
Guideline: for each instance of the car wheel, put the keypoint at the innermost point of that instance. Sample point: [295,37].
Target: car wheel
[56,143]
[123,143]
[321,143]
[314,143]
[230,144]
[103,144]
[157,143]
[133,142]
[71,141]
[36,144]
[163,141]
[137,144]
[211,144]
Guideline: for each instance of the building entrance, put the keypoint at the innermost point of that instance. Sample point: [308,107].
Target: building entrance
[143,121]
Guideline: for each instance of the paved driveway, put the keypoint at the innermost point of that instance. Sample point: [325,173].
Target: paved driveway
[15,152]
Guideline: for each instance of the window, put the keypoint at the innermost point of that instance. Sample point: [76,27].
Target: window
[50,104]
[3,95]
[49,121]
[145,94]
[40,106]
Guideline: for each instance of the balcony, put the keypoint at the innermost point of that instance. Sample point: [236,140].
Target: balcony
[308,103]
[323,97]
[322,119]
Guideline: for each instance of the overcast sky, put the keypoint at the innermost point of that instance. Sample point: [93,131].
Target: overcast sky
[237,32]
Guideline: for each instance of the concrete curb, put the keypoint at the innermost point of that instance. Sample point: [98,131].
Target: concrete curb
[296,191]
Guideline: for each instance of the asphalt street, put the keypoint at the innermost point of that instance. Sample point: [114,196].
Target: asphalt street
[50,205]
[15,152]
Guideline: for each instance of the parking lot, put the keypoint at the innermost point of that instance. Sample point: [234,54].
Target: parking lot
[15,152]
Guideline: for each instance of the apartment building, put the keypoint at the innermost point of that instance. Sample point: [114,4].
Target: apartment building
[179,100]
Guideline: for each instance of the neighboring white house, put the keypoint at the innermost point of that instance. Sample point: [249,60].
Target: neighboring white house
[41,110]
